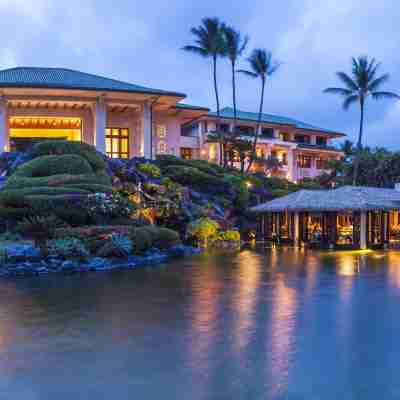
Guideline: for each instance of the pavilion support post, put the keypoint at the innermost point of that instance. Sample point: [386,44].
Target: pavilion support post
[4,135]
[296,229]
[385,229]
[363,230]
[100,122]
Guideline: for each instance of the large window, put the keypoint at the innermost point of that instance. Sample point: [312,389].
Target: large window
[267,133]
[321,141]
[304,161]
[321,163]
[186,153]
[284,136]
[117,142]
[302,139]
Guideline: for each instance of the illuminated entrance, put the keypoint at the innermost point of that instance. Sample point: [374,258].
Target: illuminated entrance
[26,131]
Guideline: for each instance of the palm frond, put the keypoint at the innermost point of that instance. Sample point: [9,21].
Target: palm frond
[248,73]
[340,91]
[349,101]
[376,83]
[197,50]
[350,84]
[384,95]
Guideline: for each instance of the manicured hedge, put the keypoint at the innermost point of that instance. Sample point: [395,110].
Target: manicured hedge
[54,165]
[197,179]
[59,147]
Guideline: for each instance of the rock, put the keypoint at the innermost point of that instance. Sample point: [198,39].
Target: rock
[69,266]
[20,252]
[98,264]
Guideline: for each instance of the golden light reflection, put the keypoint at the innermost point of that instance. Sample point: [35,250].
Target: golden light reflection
[394,268]
[283,324]
[248,278]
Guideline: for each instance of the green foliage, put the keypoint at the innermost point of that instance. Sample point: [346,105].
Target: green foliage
[39,227]
[70,164]
[230,236]
[142,239]
[193,177]
[68,248]
[10,237]
[203,229]
[150,170]
[242,191]
[60,147]
[202,165]
[162,238]
[117,245]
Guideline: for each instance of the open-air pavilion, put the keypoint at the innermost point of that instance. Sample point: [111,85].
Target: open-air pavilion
[347,217]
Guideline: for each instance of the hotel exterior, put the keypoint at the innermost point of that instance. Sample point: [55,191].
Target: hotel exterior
[124,120]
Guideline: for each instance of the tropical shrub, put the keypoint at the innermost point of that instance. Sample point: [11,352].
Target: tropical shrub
[199,180]
[10,237]
[39,228]
[142,239]
[105,207]
[229,236]
[67,248]
[150,170]
[71,164]
[60,147]
[116,245]
[202,230]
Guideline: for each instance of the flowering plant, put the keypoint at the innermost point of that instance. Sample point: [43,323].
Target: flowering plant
[109,206]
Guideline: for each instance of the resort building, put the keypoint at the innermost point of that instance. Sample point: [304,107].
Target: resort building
[347,217]
[125,120]
[302,149]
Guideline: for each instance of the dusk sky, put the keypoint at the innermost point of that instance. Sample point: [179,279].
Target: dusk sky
[141,42]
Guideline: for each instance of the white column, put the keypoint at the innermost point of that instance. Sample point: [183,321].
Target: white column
[100,122]
[146,126]
[291,165]
[363,230]
[4,133]
[296,229]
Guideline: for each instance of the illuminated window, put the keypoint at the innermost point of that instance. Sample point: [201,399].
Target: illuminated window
[162,147]
[322,163]
[117,142]
[304,161]
[161,131]
[284,136]
[186,153]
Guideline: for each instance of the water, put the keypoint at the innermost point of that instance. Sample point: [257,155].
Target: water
[267,324]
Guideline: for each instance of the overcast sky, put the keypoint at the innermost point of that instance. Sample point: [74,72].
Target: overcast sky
[140,42]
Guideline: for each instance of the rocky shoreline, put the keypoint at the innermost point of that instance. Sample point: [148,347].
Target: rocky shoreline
[25,260]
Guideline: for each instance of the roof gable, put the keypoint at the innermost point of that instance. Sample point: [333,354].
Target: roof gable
[61,78]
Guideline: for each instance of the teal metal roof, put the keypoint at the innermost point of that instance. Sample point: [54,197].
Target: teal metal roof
[61,78]
[183,106]
[227,112]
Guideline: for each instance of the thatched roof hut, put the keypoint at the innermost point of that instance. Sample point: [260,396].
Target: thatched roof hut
[346,198]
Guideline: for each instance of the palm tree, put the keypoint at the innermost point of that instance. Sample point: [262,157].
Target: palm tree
[262,66]
[235,45]
[359,86]
[209,43]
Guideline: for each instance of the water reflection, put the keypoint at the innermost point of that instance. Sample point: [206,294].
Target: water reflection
[274,323]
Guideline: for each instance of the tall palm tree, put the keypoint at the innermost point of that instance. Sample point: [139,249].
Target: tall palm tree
[209,43]
[262,66]
[235,45]
[358,87]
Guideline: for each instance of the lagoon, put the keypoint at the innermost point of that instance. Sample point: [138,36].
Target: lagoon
[261,324]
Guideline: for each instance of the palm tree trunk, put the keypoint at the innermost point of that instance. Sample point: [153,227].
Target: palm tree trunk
[359,144]
[221,146]
[233,133]
[253,152]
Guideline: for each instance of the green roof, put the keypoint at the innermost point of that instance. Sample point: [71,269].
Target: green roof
[227,112]
[183,106]
[61,78]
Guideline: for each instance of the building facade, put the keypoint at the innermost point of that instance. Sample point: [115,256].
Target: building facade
[125,120]
[302,149]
